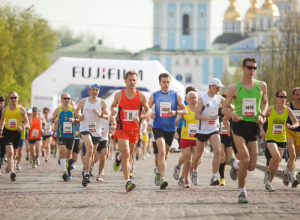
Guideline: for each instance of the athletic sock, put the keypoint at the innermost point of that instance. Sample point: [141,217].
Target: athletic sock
[286,170]
[156,171]
[70,162]
[85,173]
[118,157]
[162,179]
[221,170]
[63,164]
[293,174]
[236,164]
[242,190]
[177,167]
[127,180]
[213,175]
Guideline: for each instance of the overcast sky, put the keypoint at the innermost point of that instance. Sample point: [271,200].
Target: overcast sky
[123,24]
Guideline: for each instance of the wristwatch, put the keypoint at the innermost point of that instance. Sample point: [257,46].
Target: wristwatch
[101,115]
[141,118]
[262,115]
[176,112]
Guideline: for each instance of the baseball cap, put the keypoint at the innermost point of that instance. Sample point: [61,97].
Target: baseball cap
[35,109]
[215,82]
[95,86]
[29,111]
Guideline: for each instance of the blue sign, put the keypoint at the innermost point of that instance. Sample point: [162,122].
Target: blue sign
[179,77]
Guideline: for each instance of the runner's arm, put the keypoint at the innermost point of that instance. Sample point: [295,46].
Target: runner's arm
[293,119]
[145,104]
[24,117]
[79,107]
[265,104]
[225,123]
[2,121]
[198,111]
[178,118]
[114,105]
[55,115]
[229,97]
[181,105]
[105,114]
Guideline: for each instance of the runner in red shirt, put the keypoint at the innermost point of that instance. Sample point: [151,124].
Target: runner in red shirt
[130,102]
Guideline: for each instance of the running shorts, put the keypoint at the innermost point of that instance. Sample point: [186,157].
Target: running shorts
[247,130]
[294,135]
[11,138]
[132,136]
[167,135]
[95,140]
[184,143]
[76,146]
[279,144]
[46,137]
[102,145]
[68,142]
[205,137]
[225,139]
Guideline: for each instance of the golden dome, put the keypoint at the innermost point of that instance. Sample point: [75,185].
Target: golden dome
[232,12]
[269,8]
[252,12]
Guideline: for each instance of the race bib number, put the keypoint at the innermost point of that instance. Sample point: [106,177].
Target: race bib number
[67,128]
[249,107]
[211,113]
[277,129]
[297,114]
[92,126]
[223,129]
[164,108]
[49,126]
[192,130]
[129,115]
[35,133]
[12,123]
[102,127]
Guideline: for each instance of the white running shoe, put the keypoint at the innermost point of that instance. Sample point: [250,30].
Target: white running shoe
[176,173]
[18,166]
[194,177]
[38,162]
[99,178]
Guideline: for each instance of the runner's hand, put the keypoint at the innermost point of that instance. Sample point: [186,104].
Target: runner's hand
[172,113]
[152,116]
[262,133]
[56,121]
[136,119]
[214,117]
[20,129]
[176,136]
[288,126]
[260,120]
[71,120]
[113,128]
[228,133]
[236,117]
[114,111]
[81,118]
[96,112]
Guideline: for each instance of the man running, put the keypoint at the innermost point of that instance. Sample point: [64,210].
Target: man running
[293,141]
[63,118]
[47,136]
[208,129]
[2,144]
[94,109]
[13,119]
[166,103]
[129,102]
[247,95]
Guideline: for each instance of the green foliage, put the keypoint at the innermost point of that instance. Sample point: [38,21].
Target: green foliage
[26,41]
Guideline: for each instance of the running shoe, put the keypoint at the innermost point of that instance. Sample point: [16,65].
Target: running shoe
[102,172]
[163,184]
[214,181]
[55,155]
[27,157]
[5,159]
[181,181]
[7,169]
[132,169]
[194,177]
[31,160]
[38,162]
[18,166]
[1,161]
[187,184]
[65,176]
[242,198]
[129,186]
[111,156]
[285,179]
[137,157]
[69,177]
[46,159]
[147,155]
[117,163]
[99,178]
[43,153]
[58,161]
[156,178]
[86,180]
[144,158]
[222,182]
[130,175]
[233,171]
[34,164]
[267,178]
[52,150]
[13,176]
[91,173]
[270,188]
[295,183]
[176,173]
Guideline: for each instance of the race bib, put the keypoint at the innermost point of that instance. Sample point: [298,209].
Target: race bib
[297,114]
[102,127]
[130,114]
[223,129]
[35,133]
[164,108]
[249,107]
[278,129]
[67,128]
[49,126]
[92,126]
[211,113]
[12,123]
[192,130]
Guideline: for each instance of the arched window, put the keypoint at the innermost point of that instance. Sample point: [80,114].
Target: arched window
[186,24]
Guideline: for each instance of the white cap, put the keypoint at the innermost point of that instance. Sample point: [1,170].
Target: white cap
[29,111]
[215,82]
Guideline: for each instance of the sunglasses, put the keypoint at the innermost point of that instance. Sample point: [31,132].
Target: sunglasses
[13,97]
[66,98]
[251,67]
[282,97]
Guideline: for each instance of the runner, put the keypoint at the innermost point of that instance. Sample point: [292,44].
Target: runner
[248,95]
[276,135]
[188,140]
[166,103]
[94,109]
[293,141]
[37,126]
[226,146]
[18,153]
[29,113]
[208,129]
[47,136]
[130,102]
[64,127]
[10,127]
[76,148]
[2,143]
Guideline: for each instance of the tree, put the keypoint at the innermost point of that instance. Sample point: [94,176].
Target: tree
[26,41]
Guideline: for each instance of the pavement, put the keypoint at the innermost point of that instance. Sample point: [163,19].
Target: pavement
[42,194]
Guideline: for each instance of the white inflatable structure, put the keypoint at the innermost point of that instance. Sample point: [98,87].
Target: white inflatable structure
[46,88]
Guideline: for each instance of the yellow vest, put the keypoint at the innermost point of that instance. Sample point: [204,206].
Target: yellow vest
[13,119]
[276,126]
[188,131]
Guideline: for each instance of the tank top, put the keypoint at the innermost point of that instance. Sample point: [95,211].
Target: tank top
[48,130]
[223,130]
[209,109]
[129,109]
[36,128]
[180,123]
[276,126]
[65,128]
[23,134]
[104,129]
[91,122]
[164,102]
[297,115]
[189,131]
[13,119]
[247,102]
